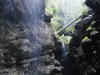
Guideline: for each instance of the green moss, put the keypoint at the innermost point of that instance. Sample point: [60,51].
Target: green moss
[57,36]
[70,29]
[93,22]
[85,9]
[85,39]
[93,32]
[57,22]
[90,27]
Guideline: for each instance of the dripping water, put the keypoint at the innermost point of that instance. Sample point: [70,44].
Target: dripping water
[64,50]
[28,13]
[34,16]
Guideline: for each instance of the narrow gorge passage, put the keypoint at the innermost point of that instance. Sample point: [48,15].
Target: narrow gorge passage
[30,44]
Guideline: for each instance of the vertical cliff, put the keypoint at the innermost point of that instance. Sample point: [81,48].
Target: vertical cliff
[85,45]
[27,43]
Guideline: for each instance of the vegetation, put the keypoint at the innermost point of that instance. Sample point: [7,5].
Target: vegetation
[63,12]
[85,39]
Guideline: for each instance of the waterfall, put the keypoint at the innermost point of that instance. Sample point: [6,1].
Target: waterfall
[34,16]
[64,50]
[23,10]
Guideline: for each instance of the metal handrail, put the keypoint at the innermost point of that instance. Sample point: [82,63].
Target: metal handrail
[69,24]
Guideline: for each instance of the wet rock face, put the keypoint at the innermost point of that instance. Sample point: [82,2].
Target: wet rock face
[20,55]
[47,17]
[27,44]
[20,10]
[86,51]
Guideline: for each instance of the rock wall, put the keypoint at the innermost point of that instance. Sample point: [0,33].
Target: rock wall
[85,44]
[21,10]
[26,50]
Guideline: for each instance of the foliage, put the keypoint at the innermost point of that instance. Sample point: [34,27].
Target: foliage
[89,28]
[63,12]
[85,10]
[66,39]
[70,29]
[54,8]
[57,22]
